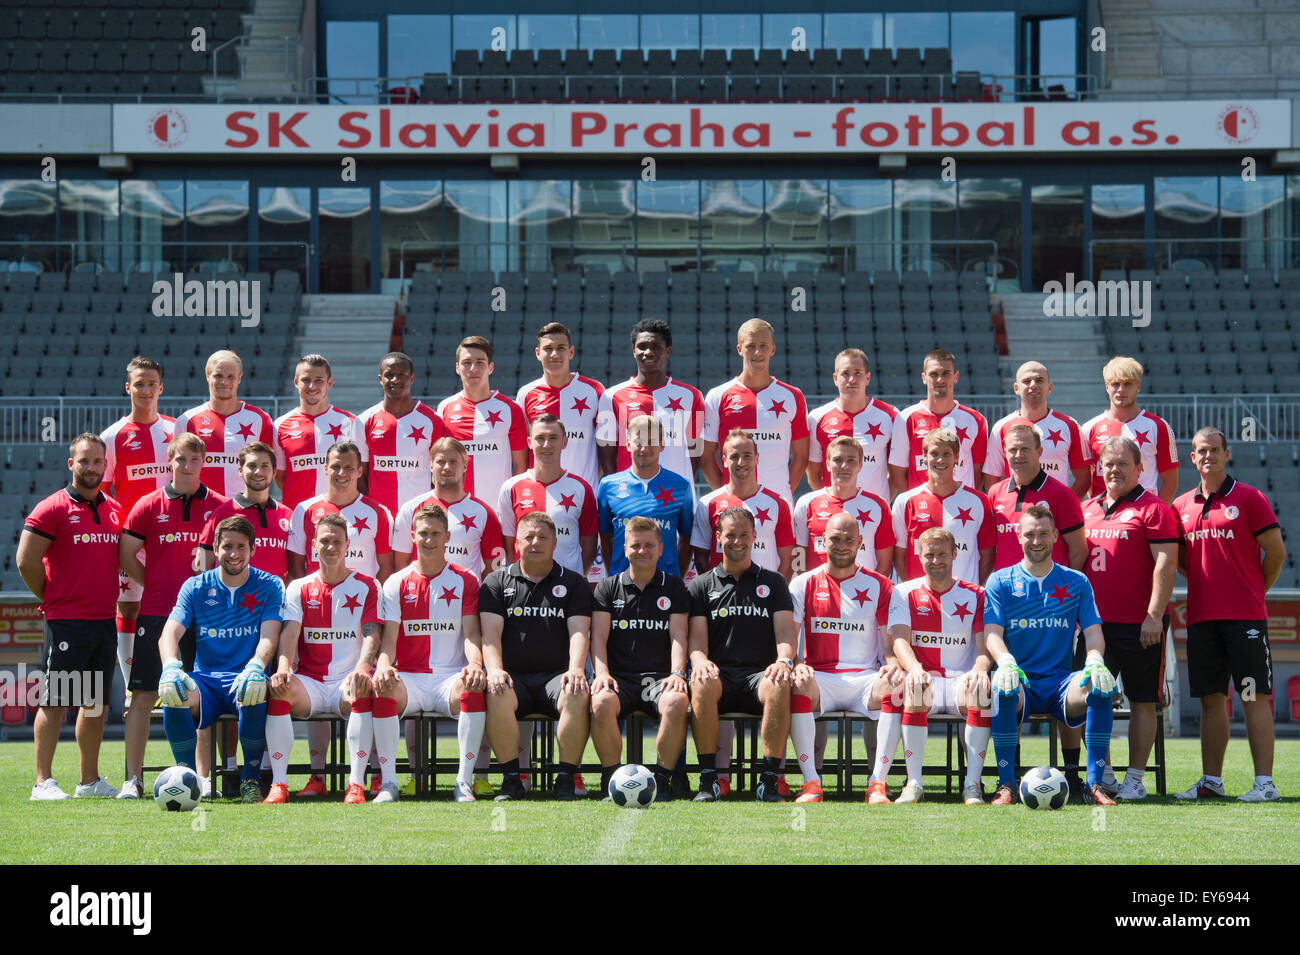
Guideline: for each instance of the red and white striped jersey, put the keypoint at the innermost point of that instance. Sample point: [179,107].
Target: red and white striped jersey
[136,459]
[475,531]
[223,438]
[916,421]
[677,406]
[1153,436]
[329,645]
[773,527]
[490,430]
[301,442]
[370,531]
[841,621]
[813,510]
[399,452]
[570,502]
[776,416]
[576,405]
[429,609]
[965,512]
[872,428]
[943,625]
[1062,445]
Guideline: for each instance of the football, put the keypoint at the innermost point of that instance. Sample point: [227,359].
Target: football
[176,789]
[1044,788]
[632,786]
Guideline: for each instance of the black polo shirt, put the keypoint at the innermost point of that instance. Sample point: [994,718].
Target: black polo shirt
[741,614]
[535,638]
[639,641]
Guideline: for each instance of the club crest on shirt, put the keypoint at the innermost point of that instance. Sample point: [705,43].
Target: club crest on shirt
[212,591]
[1231,513]
[663,603]
[559,590]
[284,523]
[1017,588]
[763,590]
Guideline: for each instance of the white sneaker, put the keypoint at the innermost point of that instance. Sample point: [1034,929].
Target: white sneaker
[972,795]
[48,790]
[1202,790]
[205,787]
[1108,783]
[463,793]
[1261,792]
[1130,791]
[912,792]
[388,792]
[100,788]
[131,789]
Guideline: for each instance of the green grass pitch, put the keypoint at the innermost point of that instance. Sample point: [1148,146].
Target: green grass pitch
[940,830]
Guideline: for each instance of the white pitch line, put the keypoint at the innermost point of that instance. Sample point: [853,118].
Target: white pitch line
[613,844]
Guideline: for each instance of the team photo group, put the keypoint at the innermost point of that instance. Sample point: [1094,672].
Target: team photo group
[496,559]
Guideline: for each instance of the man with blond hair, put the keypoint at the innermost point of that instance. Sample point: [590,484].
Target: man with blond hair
[225,423]
[1151,433]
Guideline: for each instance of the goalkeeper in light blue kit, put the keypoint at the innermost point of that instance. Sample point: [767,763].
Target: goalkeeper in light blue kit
[234,611]
[1031,610]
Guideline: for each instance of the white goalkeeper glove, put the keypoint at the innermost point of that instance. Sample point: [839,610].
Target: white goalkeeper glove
[1009,676]
[249,687]
[1094,669]
[174,684]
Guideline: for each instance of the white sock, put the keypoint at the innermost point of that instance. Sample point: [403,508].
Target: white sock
[361,738]
[1134,775]
[1263,780]
[279,744]
[803,731]
[1214,779]
[318,741]
[386,734]
[977,745]
[526,730]
[469,733]
[125,646]
[726,740]
[914,735]
[888,731]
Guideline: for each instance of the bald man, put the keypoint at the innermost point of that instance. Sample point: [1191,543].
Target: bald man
[1063,456]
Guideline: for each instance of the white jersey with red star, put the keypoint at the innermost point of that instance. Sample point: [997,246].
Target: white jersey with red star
[490,430]
[136,459]
[1062,445]
[916,421]
[943,625]
[678,407]
[301,442]
[399,452]
[570,502]
[329,645]
[773,527]
[370,531]
[872,428]
[474,540]
[224,436]
[431,636]
[775,416]
[1151,433]
[576,405]
[965,512]
[840,621]
[813,510]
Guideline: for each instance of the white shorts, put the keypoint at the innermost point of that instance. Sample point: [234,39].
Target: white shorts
[429,692]
[326,698]
[947,695]
[846,691]
[133,592]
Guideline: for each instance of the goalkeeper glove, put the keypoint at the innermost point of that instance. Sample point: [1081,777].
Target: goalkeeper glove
[249,687]
[174,684]
[1009,676]
[1094,669]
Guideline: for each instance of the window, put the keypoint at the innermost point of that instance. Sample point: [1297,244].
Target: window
[779,30]
[925,220]
[474,32]
[418,45]
[547,32]
[1187,212]
[153,223]
[1057,216]
[855,29]
[985,42]
[216,212]
[539,224]
[795,210]
[351,56]
[860,222]
[409,211]
[344,239]
[731,224]
[88,213]
[27,217]
[283,219]
[667,225]
[916,29]
[672,31]
[990,209]
[1118,212]
[476,224]
[603,212]
[1255,213]
[607,31]
[730,31]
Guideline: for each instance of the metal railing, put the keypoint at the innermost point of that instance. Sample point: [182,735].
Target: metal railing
[288,47]
[1274,252]
[76,256]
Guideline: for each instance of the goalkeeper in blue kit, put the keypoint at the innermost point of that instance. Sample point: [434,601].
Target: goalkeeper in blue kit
[1031,611]
[234,611]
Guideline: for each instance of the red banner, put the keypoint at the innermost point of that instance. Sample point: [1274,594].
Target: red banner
[21,625]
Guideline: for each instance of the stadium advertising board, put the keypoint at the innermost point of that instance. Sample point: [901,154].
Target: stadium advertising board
[734,129]
[21,625]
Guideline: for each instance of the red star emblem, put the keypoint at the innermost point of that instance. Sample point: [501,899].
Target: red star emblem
[245,430]
[1141,437]
[777,408]
[963,434]
[417,434]
[335,431]
[448,594]
[250,601]
[874,431]
[123,586]
[964,515]
[492,417]
[567,501]
[351,602]
[1059,594]
[167,437]
[664,496]
[1055,437]
[862,596]
[864,516]
[762,516]
[579,404]
[361,524]
[674,404]
[961,612]
[468,521]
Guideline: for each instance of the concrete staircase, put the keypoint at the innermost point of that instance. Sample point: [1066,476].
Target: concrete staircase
[269,65]
[1073,349]
[353,332]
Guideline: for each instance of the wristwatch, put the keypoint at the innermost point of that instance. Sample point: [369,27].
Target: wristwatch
[787,661]
[681,672]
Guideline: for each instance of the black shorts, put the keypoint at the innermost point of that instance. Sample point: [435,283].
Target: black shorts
[146,663]
[79,657]
[639,692]
[740,690]
[1143,668]
[537,693]
[1218,649]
